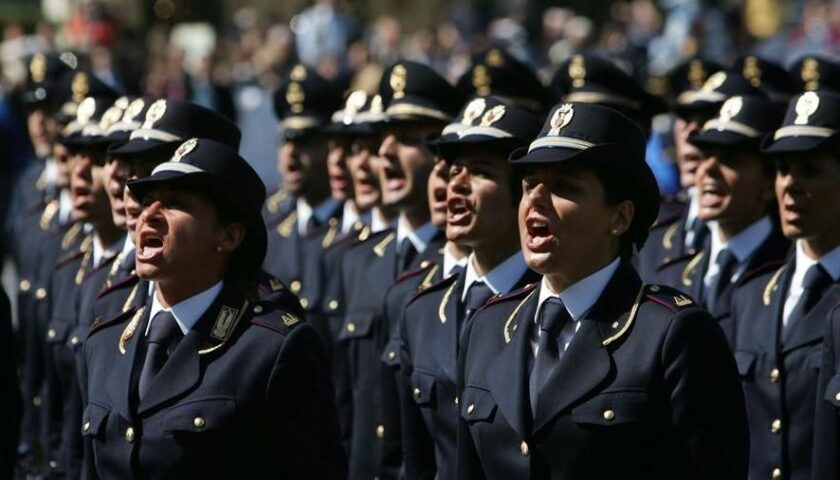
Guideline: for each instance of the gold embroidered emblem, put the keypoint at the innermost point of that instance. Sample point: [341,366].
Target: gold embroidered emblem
[493,115]
[715,81]
[298,73]
[810,74]
[376,106]
[696,74]
[275,285]
[495,58]
[224,323]
[110,117]
[134,109]
[562,116]
[155,112]
[130,329]
[731,108]
[295,97]
[481,80]
[399,81]
[38,68]
[184,149]
[80,87]
[121,103]
[752,71]
[806,106]
[355,102]
[577,71]
[289,319]
[473,111]
[86,110]
[682,300]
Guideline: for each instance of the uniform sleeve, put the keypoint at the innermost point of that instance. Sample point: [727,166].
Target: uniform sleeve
[826,425]
[302,420]
[707,402]
[418,447]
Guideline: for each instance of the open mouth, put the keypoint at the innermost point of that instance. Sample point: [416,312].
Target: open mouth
[711,195]
[458,211]
[149,246]
[394,178]
[539,234]
[439,199]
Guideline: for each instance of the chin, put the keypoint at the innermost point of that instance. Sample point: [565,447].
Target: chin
[539,262]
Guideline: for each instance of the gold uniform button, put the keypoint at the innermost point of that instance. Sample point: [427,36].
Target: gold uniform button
[392,355]
[380,431]
[654,288]
[523,447]
[198,422]
[258,309]
[295,286]
[351,327]
[129,435]
[41,293]
[424,263]
[51,333]
[304,303]
[456,400]
[74,341]
[777,474]
[25,285]
[416,392]
[36,401]
[776,426]
[609,415]
[333,305]
[837,397]
[615,325]
[87,426]
[471,409]
[53,464]
[774,375]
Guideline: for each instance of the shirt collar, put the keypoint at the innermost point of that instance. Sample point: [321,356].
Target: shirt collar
[501,279]
[580,297]
[420,238]
[450,262]
[65,205]
[349,216]
[188,312]
[322,212]
[100,253]
[744,243]
[693,207]
[128,246]
[830,262]
[377,221]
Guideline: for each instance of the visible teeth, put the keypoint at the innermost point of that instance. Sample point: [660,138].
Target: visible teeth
[539,224]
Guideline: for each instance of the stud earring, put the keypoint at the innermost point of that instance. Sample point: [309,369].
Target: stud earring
[615,231]
[219,249]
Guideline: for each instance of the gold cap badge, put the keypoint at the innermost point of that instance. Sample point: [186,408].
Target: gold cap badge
[473,111]
[184,149]
[154,113]
[399,80]
[577,71]
[806,106]
[562,116]
[493,115]
[731,108]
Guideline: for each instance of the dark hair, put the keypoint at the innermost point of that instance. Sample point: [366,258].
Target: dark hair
[243,266]
[616,190]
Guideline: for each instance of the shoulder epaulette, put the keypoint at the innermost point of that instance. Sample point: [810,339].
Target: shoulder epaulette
[439,285]
[358,242]
[70,235]
[286,226]
[668,261]
[665,221]
[522,292]
[68,258]
[670,298]
[269,284]
[125,282]
[760,270]
[99,323]
[414,272]
[271,315]
[272,203]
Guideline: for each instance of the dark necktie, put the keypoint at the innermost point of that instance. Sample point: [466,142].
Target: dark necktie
[726,262]
[311,224]
[553,315]
[814,284]
[164,334]
[699,232]
[405,254]
[477,296]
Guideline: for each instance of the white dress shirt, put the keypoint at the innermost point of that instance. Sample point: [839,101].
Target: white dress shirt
[349,216]
[742,246]
[450,262]
[830,262]
[187,312]
[420,238]
[501,279]
[578,299]
[691,214]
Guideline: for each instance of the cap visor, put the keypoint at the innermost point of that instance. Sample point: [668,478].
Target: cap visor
[449,148]
[713,138]
[794,144]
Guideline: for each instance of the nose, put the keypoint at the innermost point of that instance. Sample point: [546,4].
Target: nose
[388,148]
[459,181]
[151,212]
[536,196]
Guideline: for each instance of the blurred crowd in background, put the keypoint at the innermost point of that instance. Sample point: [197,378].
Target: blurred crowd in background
[233,64]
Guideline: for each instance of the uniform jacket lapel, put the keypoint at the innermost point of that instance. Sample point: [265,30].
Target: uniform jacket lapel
[507,375]
[446,348]
[811,327]
[587,362]
[121,385]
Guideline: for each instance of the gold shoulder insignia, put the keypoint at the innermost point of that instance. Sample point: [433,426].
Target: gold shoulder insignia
[443,301]
[276,285]
[289,319]
[689,269]
[772,286]
[130,329]
[286,227]
[225,324]
[510,328]
[71,235]
[427,280]
[668,236]
[329,237]
[379,248]
[49,212]
[682,300]
[630,318]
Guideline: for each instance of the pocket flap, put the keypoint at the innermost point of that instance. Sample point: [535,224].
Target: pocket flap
[57,331]
[201,415]
[832,391]
[78,336]
[745,362]
[356,325]
[391,353]
[476,404]
[422,387]
[93,419]
[612,408]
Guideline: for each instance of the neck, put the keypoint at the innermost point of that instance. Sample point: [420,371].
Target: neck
[416,216]
[457,251]
[560,281]
[729,227]
[108,234]
[386,213]
[314,196]
[817,247]
[490,254]
[173,292]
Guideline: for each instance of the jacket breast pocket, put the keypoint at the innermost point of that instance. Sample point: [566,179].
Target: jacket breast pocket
[745,361]
[204,415]
[613,408]
[477,405]
[422,388]
[94,419]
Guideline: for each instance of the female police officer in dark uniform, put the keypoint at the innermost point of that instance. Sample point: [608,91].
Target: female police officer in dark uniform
[591,374]
[208,380]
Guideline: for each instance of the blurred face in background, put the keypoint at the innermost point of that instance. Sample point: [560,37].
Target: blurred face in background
[438,181]
[341,187]
[405,165]
[363,163]
[42,130]
[62,162]
[87,187]
[302,163]
[688,156]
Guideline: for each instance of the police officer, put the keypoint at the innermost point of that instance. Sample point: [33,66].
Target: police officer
[780,316]
[482,200]
[590,373]
[303,104]
[769,77]
[734,184]
[816,72]
[681,232]
[208,379]
[418,102]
